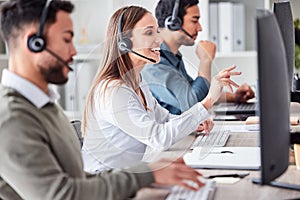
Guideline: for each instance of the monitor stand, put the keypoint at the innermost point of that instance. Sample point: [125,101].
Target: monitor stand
[278,184]
[295,97]
[294,139]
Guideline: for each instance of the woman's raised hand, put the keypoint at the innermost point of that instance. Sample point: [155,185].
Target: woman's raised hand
[218,82]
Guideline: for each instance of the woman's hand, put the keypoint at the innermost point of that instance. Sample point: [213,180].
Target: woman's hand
[217,84]
[206,126]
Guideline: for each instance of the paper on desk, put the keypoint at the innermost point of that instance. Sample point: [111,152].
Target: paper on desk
[294,120]
[240,128]
[224,158]
[226,180]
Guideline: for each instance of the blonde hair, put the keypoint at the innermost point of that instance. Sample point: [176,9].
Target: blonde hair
[114,65]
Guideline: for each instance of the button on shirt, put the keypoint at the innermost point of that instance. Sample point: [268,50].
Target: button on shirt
[170,84]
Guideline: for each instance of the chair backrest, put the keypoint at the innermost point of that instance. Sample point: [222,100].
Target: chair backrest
[77,126]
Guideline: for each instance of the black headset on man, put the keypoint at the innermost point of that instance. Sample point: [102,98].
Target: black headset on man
[37,43]
[173,22]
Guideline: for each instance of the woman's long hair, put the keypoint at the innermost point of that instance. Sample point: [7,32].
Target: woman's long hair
[114,65]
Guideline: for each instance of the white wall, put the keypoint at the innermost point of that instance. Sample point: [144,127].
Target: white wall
[148,4]
[93,16]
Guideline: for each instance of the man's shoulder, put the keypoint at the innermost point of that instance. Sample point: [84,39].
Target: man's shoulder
[13,104]
[161,66]
[11,97]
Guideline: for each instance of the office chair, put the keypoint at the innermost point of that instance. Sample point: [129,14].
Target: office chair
[77,126]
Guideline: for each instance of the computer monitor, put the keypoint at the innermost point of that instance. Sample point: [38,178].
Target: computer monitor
[283,13]
[274,102]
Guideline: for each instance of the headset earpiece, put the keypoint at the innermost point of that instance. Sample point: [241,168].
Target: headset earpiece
[36,43]
[124,44]
[173,24]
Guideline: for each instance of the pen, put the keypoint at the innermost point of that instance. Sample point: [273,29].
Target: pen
[241,175]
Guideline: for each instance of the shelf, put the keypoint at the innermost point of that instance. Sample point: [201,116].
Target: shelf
[86,56]
[81,57]
[236,54]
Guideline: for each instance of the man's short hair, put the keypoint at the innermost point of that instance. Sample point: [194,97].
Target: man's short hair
[164,9]
[15,14]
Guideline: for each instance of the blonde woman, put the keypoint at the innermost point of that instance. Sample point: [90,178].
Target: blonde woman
[122,120]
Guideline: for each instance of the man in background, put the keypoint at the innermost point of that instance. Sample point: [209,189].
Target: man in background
[168,80]
[40,154]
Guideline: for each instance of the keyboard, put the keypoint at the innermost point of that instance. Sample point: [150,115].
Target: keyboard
[246,106]
[236,108]
[214,138]
[204,193]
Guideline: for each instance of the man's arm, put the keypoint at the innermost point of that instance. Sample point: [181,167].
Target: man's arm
[31,169]
[205,51]
[241,95]
[173,89]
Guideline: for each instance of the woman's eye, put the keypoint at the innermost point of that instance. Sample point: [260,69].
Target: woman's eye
[149,32]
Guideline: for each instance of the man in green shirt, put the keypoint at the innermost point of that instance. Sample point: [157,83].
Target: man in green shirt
[40,154]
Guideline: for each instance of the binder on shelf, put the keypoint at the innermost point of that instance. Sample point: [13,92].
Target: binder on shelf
[213,24]
[225,26]
[238,27]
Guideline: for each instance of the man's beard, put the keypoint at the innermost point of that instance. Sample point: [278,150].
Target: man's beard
[54,74]
[188,41]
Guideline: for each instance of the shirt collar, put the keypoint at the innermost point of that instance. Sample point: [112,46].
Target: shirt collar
[168,55]
[30,91]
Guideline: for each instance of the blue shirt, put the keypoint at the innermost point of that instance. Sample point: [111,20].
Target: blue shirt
[170,84]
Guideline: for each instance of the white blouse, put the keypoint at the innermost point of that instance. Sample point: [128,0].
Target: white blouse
[120,129]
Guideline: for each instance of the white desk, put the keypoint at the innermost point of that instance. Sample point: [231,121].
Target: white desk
[244,189]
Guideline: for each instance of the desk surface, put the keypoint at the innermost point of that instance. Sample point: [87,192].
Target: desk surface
[243,189]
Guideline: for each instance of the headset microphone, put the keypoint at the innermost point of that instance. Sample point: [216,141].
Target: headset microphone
[125,49]
[125,44]
[173,22]
[58,58]
[186,33]
[136,53]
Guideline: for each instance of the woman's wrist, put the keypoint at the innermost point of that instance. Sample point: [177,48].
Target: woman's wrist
[207,103]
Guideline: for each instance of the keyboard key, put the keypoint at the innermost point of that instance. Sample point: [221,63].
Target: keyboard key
[205,193]
[215,138]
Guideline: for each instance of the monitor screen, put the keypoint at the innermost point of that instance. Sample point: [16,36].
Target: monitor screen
[273,97]
[283,13]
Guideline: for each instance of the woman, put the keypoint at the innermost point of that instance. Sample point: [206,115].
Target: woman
[121,118]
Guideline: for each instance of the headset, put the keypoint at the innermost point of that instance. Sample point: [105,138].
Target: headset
[36,43]
[125,44]
[173,22]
